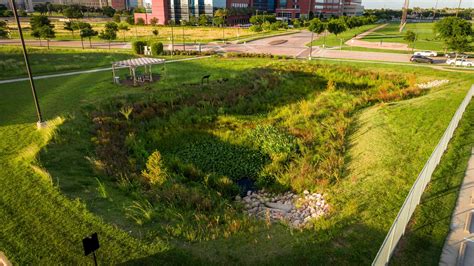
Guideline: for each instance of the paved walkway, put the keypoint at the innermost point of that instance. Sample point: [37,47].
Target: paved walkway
[357,41]
[462,224]
[3,260]
[373,56]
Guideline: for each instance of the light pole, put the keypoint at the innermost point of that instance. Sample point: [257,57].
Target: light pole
[40,123]
[311,46]
[459,7]
[172,37]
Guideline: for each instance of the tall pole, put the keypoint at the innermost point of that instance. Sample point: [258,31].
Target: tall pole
[311,46]
[184,43]
[435,9]
[404,14]
[172,38]
[40,123]
[459,7]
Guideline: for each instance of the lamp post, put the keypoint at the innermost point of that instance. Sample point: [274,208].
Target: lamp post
[184,42]
[311,46]
[459,7]
[40,123]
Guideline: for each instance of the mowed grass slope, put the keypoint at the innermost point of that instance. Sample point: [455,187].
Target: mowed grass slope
[389,146]
[331,40]
[43,61]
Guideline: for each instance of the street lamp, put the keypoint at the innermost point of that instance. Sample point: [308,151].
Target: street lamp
[40,123]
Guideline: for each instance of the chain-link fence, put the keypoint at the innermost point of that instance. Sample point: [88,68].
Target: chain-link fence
[413,199]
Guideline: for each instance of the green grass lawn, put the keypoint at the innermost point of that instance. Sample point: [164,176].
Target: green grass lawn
[425,32]
[332,40]
[191,34]
[55,60]
[57,192]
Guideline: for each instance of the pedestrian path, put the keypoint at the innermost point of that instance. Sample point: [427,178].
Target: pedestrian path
[3,260]
[459,245]
[87,71]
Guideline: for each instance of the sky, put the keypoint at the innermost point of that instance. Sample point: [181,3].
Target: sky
[397,4]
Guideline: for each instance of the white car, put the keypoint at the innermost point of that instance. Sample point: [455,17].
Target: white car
[426,53]
[459,62]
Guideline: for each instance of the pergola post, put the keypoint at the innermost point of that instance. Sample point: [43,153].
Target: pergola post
[134,76]
[151,75]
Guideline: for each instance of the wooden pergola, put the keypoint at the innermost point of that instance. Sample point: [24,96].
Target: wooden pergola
[132,65]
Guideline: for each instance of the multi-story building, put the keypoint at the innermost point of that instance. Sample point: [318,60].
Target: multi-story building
[353,8]
[290,9]
[178,10]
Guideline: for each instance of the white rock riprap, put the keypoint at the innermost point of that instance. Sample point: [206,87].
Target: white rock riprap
[432,84]
[296,210]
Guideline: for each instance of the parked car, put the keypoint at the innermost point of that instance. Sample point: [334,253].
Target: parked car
[421,59]
[460,62]
[453,55]
[426,53]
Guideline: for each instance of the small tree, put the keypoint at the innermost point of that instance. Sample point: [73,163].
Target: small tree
[87,32]
[116,18]
[140,22]
[154,21]
[110,32]
[130,20]
[108,11]
[317,26]
[47,32]
[455,32]
[218,21]
[203,20]
[410,37]
[70,26]
[73,11]
[157,48]
[336,26]
[123,27]
[4,31]
[155,32]
[37,23]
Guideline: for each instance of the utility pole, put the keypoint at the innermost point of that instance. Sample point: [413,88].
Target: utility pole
[40,123]
[184,43]
[404,15]
[435,9]
[459,7]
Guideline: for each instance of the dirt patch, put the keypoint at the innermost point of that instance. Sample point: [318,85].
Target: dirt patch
[277,42]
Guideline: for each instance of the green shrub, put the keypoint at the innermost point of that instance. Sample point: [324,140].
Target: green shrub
[256,28]
[157,48]
[140,22]
[139,46]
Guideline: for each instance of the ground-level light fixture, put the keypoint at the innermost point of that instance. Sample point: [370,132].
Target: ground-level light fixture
[40,123]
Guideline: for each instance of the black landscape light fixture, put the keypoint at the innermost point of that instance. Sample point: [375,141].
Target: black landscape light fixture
[40,123]
[91,244]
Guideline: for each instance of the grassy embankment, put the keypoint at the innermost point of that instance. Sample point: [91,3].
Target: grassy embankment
[331,40]
[386,151]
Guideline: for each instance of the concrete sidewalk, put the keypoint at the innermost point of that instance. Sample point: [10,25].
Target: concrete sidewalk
[3,260]
[456,250]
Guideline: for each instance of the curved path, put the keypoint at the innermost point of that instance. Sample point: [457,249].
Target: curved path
[357,41]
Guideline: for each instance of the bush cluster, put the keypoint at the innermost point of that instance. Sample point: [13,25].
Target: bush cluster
[255,55]
[139,46]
